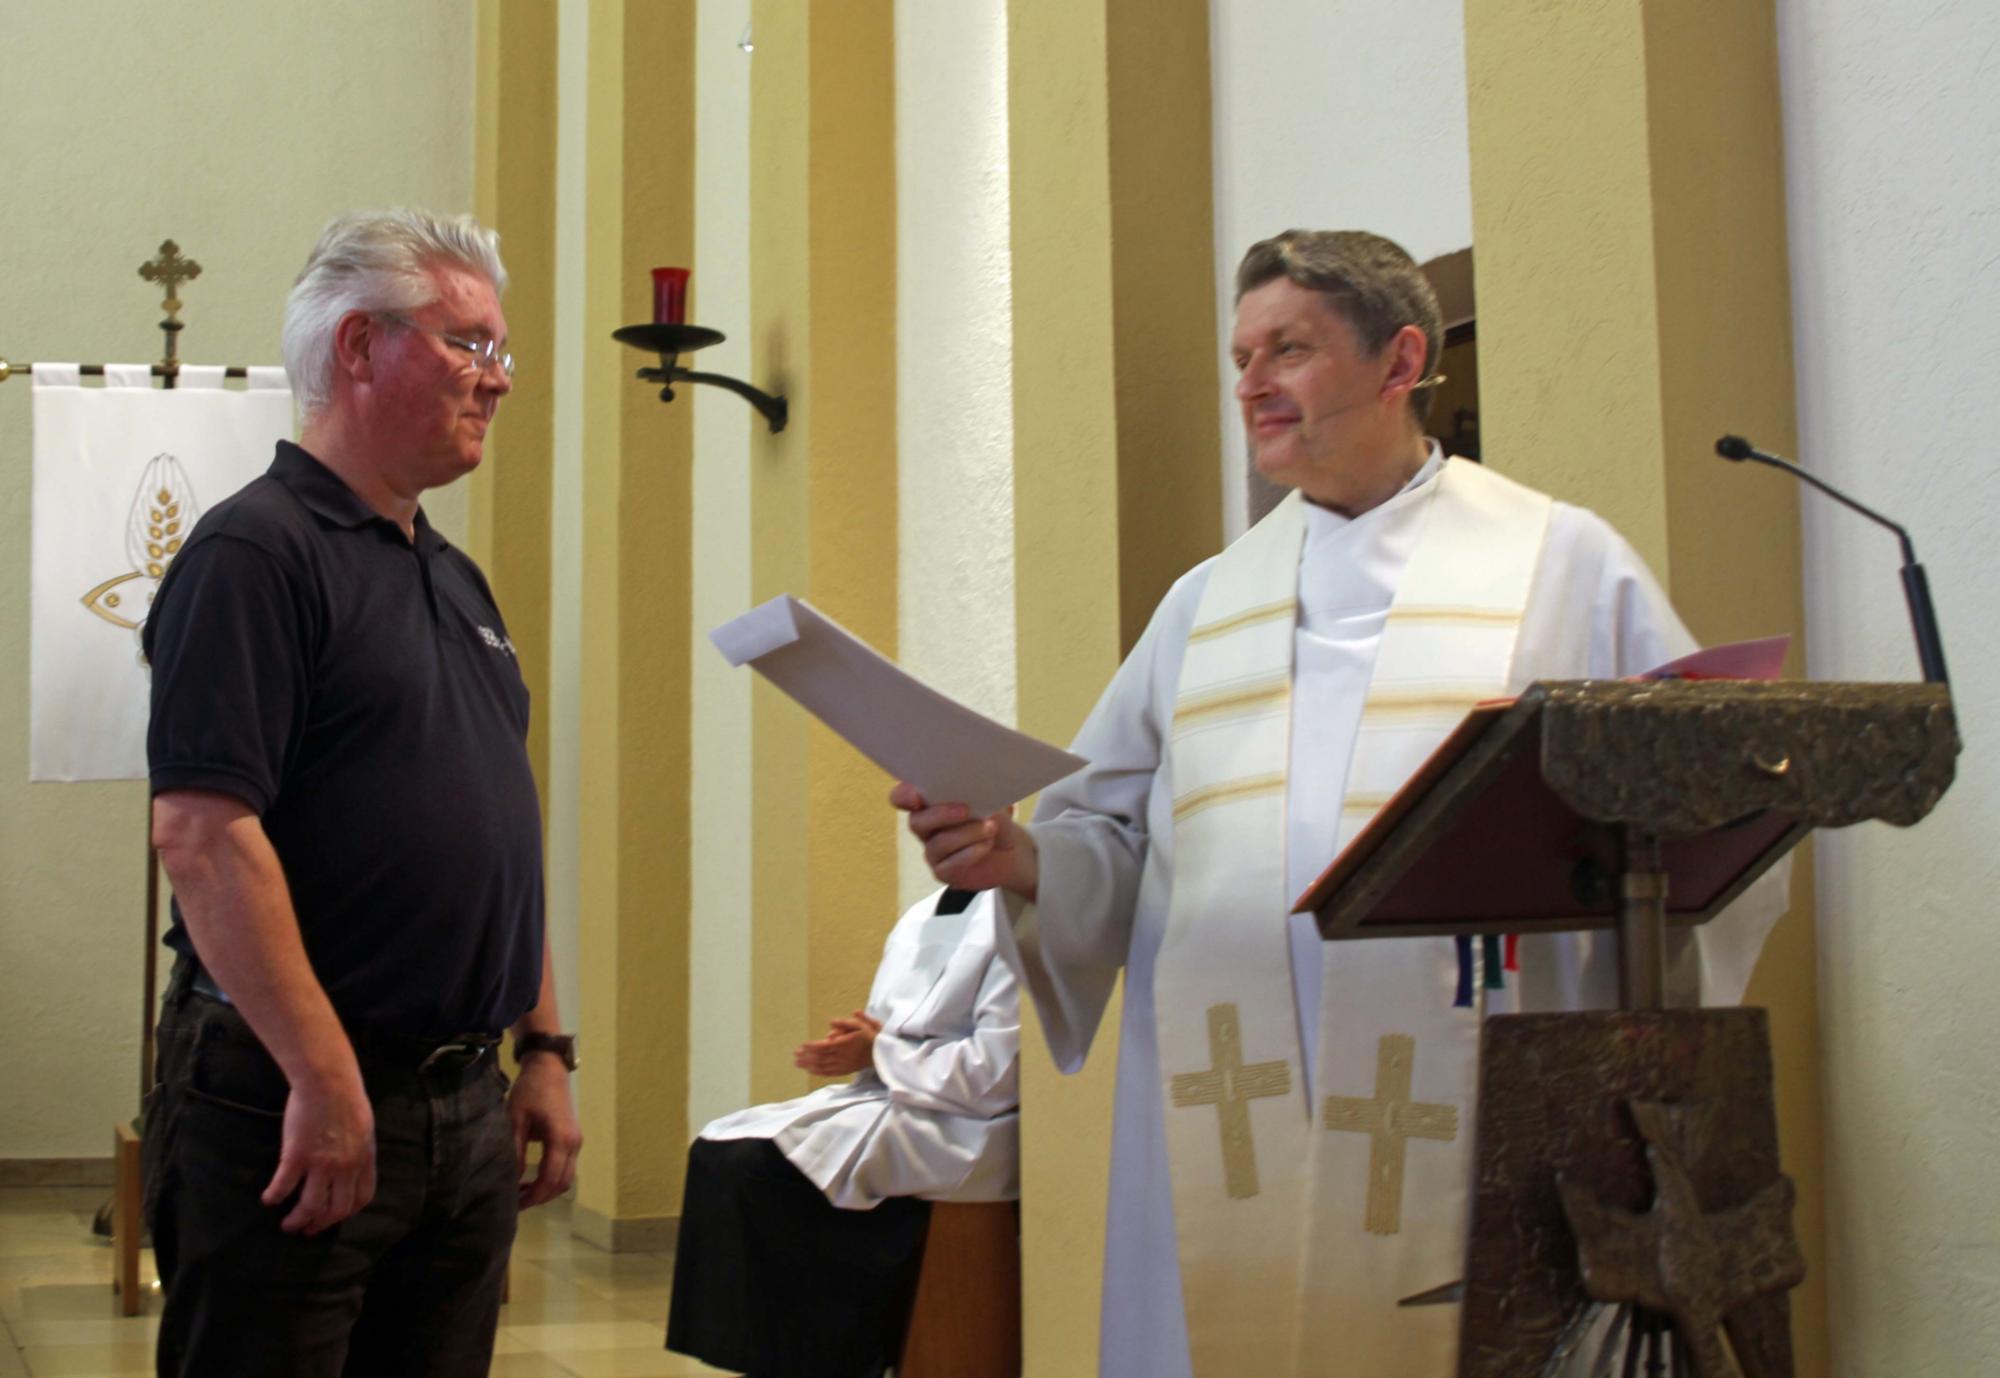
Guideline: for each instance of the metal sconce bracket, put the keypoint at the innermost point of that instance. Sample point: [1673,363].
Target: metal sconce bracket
[672,341]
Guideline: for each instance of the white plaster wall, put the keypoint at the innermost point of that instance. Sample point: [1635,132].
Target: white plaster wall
[238,129]
[566,507]
[954,364]
[1331,115]
[719,956]
[1892,128]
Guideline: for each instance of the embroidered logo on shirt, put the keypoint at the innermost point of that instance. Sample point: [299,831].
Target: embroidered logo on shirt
[497,641]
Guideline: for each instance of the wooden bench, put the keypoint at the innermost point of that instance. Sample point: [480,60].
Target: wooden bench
[966,1319]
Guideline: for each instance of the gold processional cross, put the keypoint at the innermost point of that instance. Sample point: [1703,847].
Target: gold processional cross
[1229,1086]
[1390,1120]
[170,270]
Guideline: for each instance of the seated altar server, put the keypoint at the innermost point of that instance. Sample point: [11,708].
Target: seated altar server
[1291,1143]
[803,1222]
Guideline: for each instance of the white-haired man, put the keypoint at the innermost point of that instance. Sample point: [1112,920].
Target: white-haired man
[342,799]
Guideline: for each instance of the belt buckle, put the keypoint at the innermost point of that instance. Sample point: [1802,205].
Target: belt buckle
[468,1051]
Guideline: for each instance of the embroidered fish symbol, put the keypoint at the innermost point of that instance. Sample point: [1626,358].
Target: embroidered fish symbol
[163,512]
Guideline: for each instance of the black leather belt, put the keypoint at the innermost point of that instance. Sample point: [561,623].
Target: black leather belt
[456,1053]
[452,1053]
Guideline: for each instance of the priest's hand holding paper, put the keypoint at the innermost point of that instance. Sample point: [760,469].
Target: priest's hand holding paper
[971,853]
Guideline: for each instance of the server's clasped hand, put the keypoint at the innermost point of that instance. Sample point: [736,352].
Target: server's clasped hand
[849,1047]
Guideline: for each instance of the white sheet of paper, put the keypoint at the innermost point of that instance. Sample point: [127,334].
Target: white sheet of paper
[951,753]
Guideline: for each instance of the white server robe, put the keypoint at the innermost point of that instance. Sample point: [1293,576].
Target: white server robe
[937,1115]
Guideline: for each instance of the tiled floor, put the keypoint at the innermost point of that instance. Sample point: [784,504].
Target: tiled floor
[576,1311]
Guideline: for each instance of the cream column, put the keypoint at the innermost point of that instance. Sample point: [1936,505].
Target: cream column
[719,783]
[1116,434]
[1629,221]
[954,364]
[632,763]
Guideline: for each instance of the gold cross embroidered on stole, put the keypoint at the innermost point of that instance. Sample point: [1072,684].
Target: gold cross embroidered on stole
[1229,1086]
[1390,1120]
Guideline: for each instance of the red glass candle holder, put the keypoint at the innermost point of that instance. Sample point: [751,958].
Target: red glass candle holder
[670,296]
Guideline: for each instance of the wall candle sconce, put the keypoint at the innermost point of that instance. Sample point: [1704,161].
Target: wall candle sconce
[669,336]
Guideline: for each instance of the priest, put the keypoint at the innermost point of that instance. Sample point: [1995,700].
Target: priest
[1291,1145]
[803,1222]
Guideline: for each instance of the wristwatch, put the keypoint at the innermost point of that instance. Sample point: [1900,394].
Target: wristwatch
[562,1045]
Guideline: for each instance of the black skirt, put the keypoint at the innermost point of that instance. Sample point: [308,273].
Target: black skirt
[771,1279]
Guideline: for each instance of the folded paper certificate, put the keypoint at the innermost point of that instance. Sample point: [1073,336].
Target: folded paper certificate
[951,753]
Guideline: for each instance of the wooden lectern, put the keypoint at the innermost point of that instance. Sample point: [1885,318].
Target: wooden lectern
[1629,1159]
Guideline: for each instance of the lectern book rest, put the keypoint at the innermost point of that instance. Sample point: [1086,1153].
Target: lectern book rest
[1510,855]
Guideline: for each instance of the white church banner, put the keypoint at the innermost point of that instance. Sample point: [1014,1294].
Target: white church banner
[122,473]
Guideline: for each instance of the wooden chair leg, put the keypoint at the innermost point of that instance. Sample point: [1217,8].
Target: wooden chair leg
[126,1227]
[966,1319]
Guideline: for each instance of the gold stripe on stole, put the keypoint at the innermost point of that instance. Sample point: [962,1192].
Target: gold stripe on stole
[1446,614]
[1194,801]
[1384,703]
[1227,702]
[1249,617]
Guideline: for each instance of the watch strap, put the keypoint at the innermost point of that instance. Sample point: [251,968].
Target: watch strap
[562,1045]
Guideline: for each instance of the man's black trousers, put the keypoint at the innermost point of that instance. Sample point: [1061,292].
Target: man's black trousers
[409,1286]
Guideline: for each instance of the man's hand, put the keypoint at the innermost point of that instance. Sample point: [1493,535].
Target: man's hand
[327,1153]
[848,1047]
[971,853]
[542,1113]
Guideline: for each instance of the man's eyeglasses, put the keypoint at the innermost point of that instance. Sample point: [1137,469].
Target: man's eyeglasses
[483,354]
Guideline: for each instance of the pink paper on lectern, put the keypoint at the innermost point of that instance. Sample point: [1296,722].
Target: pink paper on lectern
[1760,659]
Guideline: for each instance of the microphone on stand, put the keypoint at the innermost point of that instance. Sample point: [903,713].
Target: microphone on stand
[1916,588]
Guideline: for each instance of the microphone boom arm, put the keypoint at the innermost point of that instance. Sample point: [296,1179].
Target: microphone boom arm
[1916,586]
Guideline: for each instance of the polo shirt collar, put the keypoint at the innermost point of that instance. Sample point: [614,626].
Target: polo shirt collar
[327,495]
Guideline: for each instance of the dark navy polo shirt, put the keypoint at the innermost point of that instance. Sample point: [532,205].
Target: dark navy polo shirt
[360,693]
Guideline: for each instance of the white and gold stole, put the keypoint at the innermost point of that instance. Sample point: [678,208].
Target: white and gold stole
[1281,1254]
